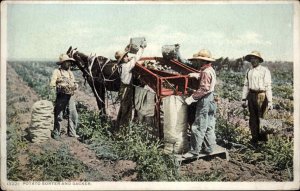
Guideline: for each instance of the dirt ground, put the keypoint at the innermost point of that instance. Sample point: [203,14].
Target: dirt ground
[123,170]
[112,170]
[232,170]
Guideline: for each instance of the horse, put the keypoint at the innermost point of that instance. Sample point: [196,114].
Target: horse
[102,74]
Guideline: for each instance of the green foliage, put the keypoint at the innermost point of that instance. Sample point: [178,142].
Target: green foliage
[282,74]
[89,123]
[231,86]
[93,128]
[105,150]
[284,104]
[278,152]
[131,143]
[231,132]
[284,91]
[37,76]
[55,165]
[14,145]
[135,143]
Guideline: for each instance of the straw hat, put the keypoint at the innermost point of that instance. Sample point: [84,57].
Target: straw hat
[255,54]
[120,55]
[203,55]
[63,58]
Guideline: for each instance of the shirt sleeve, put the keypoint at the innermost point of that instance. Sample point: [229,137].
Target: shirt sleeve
[54,78]
[268,85]
[204,87]
[130,65]
[245,87]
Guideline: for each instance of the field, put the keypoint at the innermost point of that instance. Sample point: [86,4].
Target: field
[134,154]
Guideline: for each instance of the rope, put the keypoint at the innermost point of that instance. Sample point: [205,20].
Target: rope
[93,82]
[101,73]
[101,68]
[105,80]
[91,61]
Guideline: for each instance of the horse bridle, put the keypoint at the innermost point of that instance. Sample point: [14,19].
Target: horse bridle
[87,68]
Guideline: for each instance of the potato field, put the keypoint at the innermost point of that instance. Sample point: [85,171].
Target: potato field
[135,154]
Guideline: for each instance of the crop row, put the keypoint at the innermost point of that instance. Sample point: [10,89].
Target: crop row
[152,164]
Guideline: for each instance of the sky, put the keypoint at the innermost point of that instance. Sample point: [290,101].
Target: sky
[42,31]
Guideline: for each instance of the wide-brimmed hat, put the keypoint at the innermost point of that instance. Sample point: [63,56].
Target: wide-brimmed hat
[254,54]
[63,58]
[120,55]
[203,55]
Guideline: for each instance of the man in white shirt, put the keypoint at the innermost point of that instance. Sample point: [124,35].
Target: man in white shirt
[257,91]
[126,89]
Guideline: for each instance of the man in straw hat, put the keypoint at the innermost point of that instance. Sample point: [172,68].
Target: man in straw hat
[257,94]
[203,138]
[126,65]
[64,82]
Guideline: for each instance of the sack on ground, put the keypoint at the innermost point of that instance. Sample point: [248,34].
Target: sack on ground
[42,121]
[175,125]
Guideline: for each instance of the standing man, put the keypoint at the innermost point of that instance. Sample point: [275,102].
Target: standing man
[203,128]
[64,82]
[257,91]
[126,94]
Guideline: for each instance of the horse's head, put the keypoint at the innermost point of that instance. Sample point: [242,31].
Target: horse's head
[80,58]
[96,68]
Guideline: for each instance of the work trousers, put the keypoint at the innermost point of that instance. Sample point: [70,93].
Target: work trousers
[203,128]
[61,103]
[257,104]
[126,105]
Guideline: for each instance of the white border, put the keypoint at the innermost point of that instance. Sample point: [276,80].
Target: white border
[3,90]
[152,185]
[296,92]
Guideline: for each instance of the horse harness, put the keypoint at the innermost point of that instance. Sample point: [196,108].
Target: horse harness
[88,73]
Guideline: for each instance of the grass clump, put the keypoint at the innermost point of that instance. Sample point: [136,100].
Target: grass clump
[278,152]
[231,86]
[137,144]
[133,142]
[55,165]
[89,124]
[233,133]
[14,146]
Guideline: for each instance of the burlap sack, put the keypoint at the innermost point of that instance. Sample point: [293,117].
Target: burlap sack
[64,85]
[175,125]
[42,120]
